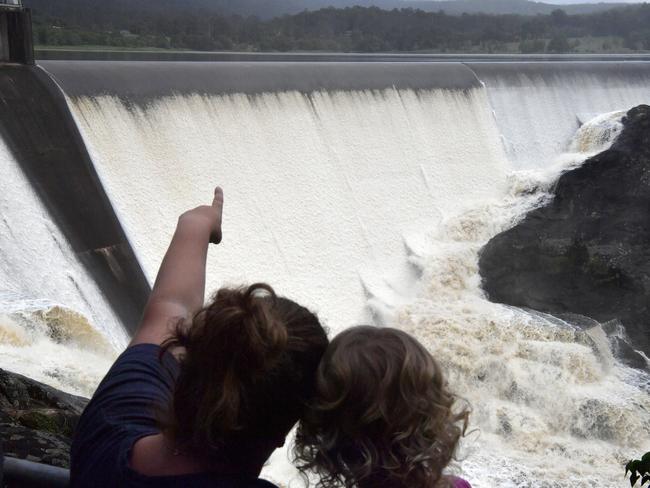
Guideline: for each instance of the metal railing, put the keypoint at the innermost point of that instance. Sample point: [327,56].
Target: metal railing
[26,474]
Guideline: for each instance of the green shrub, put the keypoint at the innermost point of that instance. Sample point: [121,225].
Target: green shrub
[639,469]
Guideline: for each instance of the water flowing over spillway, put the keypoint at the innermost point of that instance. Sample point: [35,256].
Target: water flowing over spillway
[320,187]
[55,325]
[553,407]
[372,205]
[539,106]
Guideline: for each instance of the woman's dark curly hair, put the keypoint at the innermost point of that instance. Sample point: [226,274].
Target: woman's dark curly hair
[381,416]
[246,374]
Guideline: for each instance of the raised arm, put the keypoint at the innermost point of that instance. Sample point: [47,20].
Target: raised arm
[180,285]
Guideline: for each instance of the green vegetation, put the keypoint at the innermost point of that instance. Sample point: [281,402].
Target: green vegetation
[353,29]
[47,420]
[268,9]
[639,470]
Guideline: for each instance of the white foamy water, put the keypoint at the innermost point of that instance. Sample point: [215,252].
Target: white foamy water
[539,115]
[318,188]
[55,325]
[551,407]
[342,200]
[597,134]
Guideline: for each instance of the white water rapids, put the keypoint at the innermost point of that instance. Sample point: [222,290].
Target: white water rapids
[551,406]
[366,206]
[55,325]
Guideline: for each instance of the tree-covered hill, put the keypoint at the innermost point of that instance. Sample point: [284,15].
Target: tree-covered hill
[266,9]
[163,24]
[519,7]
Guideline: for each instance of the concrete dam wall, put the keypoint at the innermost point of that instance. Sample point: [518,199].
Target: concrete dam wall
[364,191]
[42,135]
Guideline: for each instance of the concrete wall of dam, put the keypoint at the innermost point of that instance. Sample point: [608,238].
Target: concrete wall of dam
[145,81]
[41,133]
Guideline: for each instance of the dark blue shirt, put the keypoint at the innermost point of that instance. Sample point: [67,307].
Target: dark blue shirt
[122,411]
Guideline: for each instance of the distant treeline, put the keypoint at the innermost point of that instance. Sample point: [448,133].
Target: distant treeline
[353,29]
[268,9]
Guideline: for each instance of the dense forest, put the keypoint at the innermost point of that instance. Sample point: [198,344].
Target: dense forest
[164,24]
[268,9]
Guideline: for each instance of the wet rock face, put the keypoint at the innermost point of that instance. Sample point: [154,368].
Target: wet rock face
[587,251]
[37,421]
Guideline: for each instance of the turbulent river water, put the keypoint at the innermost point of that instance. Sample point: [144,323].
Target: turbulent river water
[367,206]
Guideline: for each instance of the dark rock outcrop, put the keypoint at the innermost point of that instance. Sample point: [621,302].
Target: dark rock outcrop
[37,421]
[587,251]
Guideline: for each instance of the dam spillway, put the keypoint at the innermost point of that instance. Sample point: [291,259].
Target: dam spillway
[280,133]
[538,106]
[434,136]
[365,191]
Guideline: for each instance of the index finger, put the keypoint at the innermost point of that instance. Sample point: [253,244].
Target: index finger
[218,197]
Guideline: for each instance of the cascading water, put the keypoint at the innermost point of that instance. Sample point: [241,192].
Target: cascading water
[55,325]
[539,106]
[550,405]
[374,205]
[319,187]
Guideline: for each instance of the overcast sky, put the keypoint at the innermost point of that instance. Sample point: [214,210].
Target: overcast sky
[566,2]
[569,2]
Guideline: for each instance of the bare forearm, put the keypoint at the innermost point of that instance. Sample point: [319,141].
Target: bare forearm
[180,286]
[181,278]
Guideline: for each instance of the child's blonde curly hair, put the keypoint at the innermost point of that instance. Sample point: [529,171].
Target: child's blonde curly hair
[382,415]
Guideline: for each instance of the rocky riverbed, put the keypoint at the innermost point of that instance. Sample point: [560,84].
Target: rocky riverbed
[36,420]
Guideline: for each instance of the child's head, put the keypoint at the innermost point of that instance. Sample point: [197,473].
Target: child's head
[382,414]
